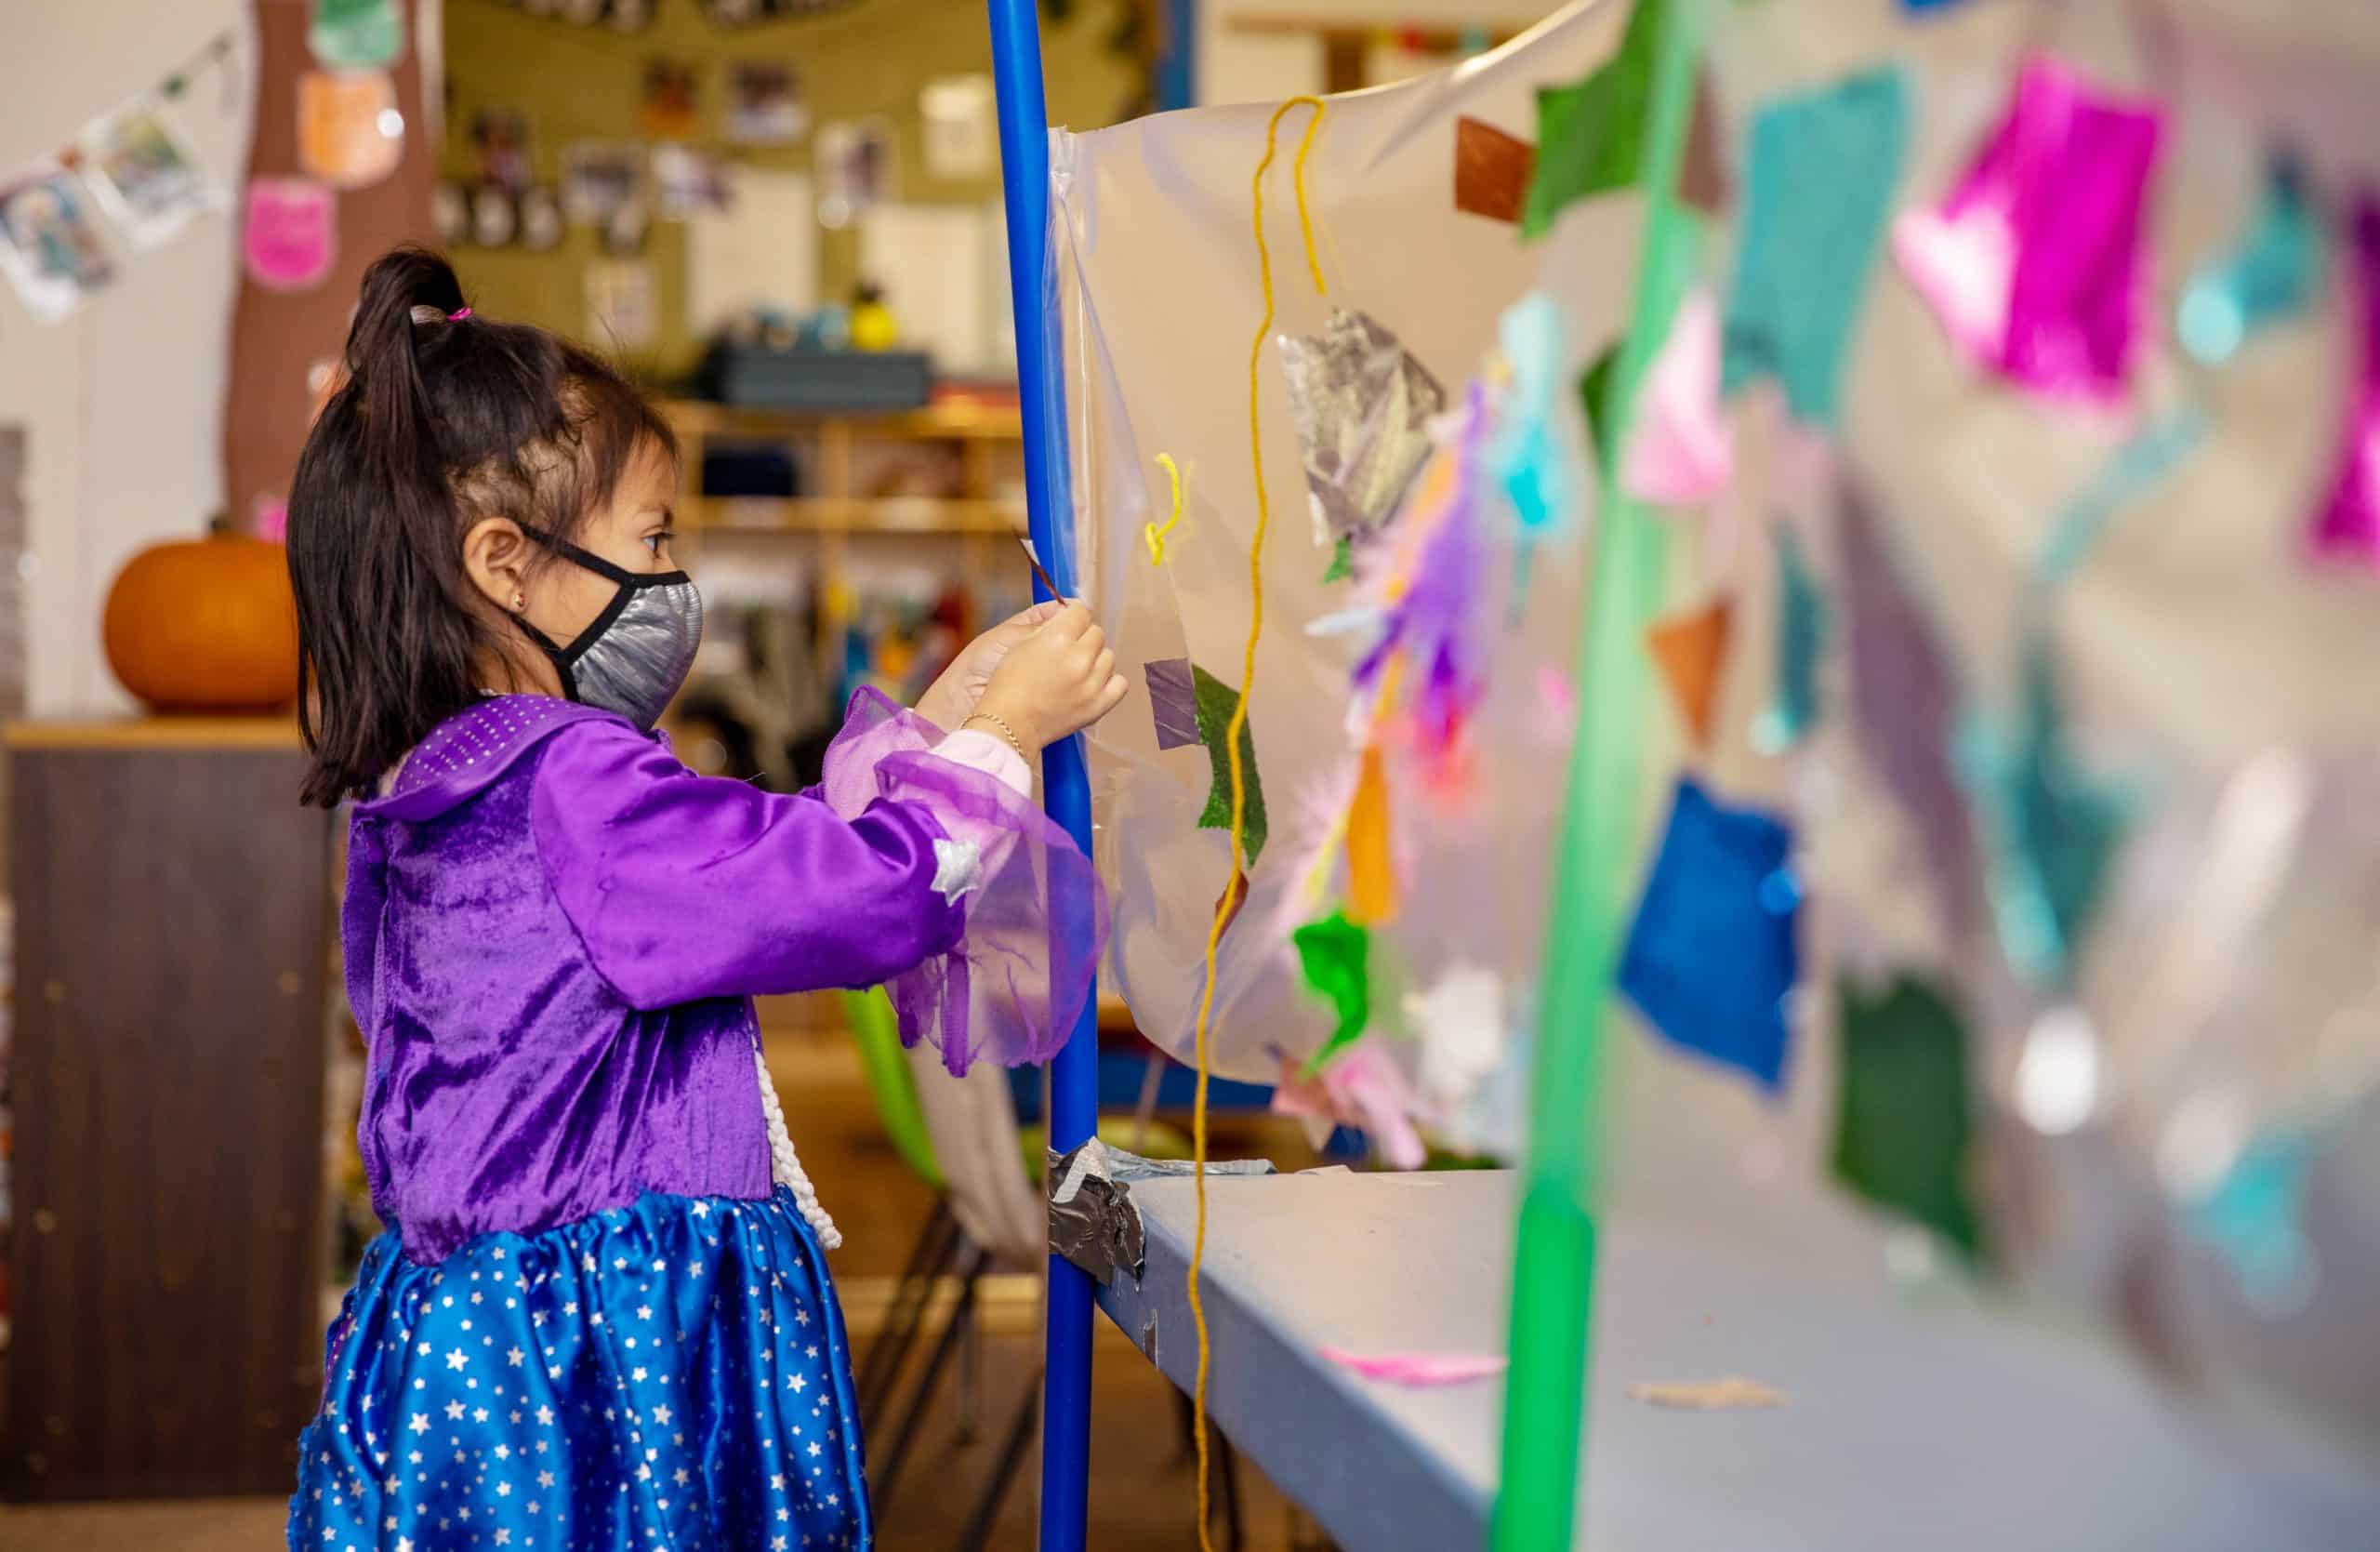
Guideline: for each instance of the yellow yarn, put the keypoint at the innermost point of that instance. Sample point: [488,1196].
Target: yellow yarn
[1154,534]
[1239,722]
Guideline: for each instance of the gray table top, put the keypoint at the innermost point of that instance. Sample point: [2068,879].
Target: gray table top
[1906,1428]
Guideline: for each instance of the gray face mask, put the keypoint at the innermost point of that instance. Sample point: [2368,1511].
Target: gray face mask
[633,656]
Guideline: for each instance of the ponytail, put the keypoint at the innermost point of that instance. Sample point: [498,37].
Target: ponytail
[444,419]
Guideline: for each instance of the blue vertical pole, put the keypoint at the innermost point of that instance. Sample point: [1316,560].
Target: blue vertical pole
[1074,1073]
[1177,64]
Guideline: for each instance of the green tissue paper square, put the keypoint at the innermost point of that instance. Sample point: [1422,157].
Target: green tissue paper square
[1217,702]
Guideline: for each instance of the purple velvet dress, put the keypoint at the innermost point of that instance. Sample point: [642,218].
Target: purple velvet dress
[601,1317]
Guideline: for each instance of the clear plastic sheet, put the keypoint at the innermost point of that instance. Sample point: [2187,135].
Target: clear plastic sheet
[1158,283]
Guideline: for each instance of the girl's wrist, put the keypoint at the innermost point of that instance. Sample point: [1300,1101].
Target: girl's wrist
[999,727]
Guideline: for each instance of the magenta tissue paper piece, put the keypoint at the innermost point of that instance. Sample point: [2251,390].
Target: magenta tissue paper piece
[2034,262]
[2347,528]
[1419,1368]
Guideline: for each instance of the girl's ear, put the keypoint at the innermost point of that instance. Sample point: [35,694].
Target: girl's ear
[497,558]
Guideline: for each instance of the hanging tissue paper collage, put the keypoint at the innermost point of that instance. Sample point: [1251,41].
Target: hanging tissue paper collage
[2001,872]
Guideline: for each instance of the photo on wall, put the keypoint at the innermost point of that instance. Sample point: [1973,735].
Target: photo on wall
[140,171]
[600,179]
[765,104]
[48,244]
[856,168]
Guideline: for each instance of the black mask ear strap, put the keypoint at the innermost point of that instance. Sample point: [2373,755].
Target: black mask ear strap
[601,567]
[564,656]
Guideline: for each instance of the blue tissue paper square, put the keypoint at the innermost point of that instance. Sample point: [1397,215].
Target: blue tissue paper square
[1711,956]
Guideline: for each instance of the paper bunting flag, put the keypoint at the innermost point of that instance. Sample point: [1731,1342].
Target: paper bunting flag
[2054,827]
[1702,174]
[2146,458]
[1594,398]
[350,133]
[1523,456]
[2348,527]
[1371,871]
[1819,171]
[1216,703]
[1679,450]
[49,242]
[1904,706]
[1689,650]
[2270,278]
[1173,702]
[138,164]
[1491,170]
[2255,1218]
[1711,955]
[1591,135]
[1903,1117]
[1801,635]
[1334,954]
[2034,263]
[290,236]
[355,34]
[1363,406]
[1419,1369]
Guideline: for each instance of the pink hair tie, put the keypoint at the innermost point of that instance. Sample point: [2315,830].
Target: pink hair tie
[458,314]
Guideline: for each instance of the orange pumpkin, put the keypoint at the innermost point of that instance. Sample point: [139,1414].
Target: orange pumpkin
[206,624]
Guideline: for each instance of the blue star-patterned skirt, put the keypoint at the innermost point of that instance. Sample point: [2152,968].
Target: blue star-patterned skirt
[671,1375]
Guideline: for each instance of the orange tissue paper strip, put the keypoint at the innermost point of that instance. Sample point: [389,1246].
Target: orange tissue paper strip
[1689,650]
[1371,877]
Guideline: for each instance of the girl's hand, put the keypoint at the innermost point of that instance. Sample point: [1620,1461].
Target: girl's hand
[950,700]
[1060,679]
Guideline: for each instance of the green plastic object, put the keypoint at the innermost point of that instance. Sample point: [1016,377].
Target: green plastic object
[1553,1256]
[877,1034]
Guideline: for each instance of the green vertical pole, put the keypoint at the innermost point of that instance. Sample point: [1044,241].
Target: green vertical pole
[1553,1258]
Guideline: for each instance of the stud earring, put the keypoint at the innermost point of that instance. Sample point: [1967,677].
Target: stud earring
[518,603]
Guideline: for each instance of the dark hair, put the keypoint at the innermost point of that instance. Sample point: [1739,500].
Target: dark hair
[445,419]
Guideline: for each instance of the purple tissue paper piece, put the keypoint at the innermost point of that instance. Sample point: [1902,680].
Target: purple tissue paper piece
[2347,528]
[1905,710]
[1173,701]
[2034,262]
[1440,622]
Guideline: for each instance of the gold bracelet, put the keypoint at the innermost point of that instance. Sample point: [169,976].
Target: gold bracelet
[1005,731]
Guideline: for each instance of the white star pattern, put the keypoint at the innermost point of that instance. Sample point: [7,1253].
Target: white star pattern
[608,1422]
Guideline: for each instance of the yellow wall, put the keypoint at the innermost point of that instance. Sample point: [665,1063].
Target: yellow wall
[587,83]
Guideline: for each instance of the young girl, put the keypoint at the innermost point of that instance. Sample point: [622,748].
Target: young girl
[601,1315]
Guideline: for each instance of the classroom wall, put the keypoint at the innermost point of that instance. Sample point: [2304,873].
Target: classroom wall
[121,403]
[586,84]
[1239,65]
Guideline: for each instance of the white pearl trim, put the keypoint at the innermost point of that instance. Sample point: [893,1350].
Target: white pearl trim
[784,1167]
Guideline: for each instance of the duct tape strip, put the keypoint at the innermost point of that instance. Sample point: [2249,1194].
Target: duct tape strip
[1093,1221]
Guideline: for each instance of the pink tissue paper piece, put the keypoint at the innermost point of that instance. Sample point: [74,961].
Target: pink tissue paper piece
[1420,1368]
[1679,453]
[2347,528]
[2034,262]
[1360,1088]
[290,234]
[1366,1084]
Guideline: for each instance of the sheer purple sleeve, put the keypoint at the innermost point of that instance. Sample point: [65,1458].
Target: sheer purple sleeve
[683,886]
[1036,920]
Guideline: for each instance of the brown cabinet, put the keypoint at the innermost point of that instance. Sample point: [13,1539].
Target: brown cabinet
[166,1257]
